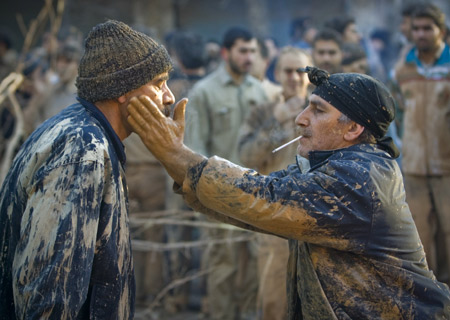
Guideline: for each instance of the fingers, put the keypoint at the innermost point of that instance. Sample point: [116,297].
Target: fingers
[179,111]
[138,114]
[135,125]
[147,104]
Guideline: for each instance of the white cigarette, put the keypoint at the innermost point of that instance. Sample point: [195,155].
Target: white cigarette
[286,144]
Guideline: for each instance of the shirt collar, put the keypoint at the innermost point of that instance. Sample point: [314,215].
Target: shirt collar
[111,135]
[413,55]
[226,79]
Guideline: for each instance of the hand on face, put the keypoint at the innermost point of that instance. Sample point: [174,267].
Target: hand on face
[162,135]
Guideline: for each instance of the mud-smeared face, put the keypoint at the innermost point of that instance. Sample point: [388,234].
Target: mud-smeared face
[320,127]
[157,90]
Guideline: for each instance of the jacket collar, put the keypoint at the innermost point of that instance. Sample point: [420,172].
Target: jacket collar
[111,135]
[318,158]
[226,79]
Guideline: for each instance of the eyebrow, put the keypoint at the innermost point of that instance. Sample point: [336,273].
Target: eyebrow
[162,78]
[317,102]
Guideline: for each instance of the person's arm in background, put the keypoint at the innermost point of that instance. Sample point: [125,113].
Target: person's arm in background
[267,126]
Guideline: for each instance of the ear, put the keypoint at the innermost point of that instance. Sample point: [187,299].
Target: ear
[224,53]
[122,99]
[442,33]
[353,132]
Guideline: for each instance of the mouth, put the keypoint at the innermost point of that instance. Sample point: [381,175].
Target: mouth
[166,111]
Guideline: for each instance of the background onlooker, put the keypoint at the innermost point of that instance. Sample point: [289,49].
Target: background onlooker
[422,79]
[327,51]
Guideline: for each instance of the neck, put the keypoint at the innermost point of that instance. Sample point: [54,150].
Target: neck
[429,56]
[111,110]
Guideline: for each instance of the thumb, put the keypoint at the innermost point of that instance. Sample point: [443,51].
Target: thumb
[179,111]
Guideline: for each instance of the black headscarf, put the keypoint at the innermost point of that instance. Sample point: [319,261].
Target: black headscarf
[362,98]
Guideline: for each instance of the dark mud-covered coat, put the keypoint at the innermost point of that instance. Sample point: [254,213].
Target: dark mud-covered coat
[64,238]
[354,249]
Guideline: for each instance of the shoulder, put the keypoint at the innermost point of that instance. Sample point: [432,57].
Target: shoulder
[365,163]
[72,135]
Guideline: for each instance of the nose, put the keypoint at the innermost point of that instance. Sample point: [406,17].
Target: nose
[302,119]
[296,76]
[168,97]
[327,57]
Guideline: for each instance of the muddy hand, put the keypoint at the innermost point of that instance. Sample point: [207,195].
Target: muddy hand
[160,134]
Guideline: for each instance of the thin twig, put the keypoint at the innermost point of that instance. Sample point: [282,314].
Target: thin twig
[144,245]
[175,283]
[9,86]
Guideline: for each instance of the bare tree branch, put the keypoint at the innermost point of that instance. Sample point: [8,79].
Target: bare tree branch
[8,88]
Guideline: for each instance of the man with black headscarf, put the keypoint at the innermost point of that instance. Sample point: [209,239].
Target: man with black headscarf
[354,248]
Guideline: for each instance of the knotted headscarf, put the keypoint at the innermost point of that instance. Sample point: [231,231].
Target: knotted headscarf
[362,98]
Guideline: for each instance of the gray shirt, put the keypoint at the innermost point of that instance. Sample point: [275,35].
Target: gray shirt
[216,109]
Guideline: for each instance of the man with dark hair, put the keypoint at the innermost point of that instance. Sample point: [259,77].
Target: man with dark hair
[219,105]
[354,248]
[355,59]
[302,33]
[190,54]
[234,33]
[65,246]
[327,51]
[422,78]
[346,26]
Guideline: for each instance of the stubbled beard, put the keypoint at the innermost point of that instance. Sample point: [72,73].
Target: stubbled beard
[166,111]
[235,68]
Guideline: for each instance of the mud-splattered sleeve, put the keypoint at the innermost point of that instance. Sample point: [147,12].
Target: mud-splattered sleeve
[53,261]
[283,205]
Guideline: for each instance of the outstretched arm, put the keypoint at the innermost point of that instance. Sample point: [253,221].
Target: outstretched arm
[163,136]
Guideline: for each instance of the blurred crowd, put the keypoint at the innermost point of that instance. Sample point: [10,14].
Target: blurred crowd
[244,92]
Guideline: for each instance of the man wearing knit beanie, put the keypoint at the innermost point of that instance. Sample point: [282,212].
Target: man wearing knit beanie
[65,248]
[354,248]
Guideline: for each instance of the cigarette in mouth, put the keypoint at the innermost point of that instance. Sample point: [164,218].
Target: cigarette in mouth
[286,144]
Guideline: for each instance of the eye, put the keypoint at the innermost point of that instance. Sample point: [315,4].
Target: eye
[316,109]
[160,84]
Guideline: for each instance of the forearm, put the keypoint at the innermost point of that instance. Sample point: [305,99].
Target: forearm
[177,164]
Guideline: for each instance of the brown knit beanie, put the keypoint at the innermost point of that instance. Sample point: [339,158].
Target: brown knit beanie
[118,59]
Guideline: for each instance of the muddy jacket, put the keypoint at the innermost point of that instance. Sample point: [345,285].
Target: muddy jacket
[425,101]
[354,249]
[64,238]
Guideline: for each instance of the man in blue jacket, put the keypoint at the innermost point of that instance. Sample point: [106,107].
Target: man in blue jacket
[65,250]
[354,249]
